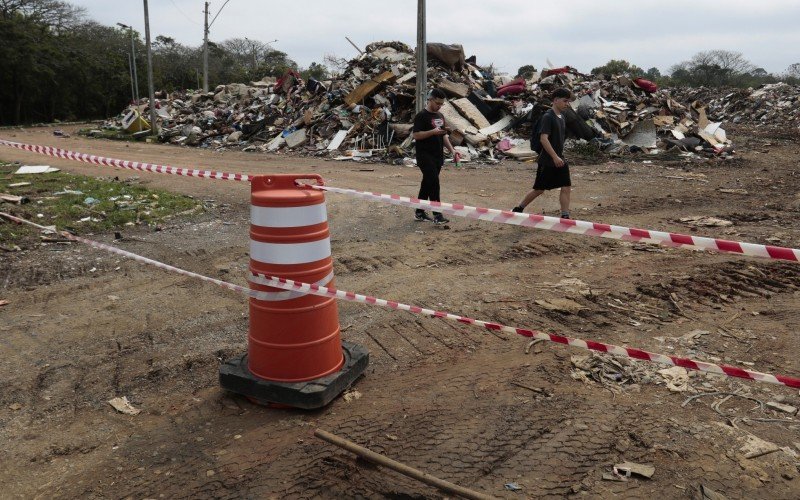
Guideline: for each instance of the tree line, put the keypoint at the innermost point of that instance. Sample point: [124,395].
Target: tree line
[713,68]
[55,64]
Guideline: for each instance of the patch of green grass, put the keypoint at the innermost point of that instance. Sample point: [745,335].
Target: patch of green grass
[83,204]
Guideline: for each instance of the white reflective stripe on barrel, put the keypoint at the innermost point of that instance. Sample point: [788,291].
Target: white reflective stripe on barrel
[290,253]
[288,216]
[286,295]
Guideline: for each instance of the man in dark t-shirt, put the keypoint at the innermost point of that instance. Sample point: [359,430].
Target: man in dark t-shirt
[430,136]
[552,171]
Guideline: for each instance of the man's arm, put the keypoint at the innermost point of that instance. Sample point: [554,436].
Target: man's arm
[544,139]
[424,134]
[449,145]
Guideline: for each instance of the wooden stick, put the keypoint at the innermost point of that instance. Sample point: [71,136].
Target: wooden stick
[534,389]
[401,468]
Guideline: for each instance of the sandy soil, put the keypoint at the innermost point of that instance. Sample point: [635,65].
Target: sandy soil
[83,326]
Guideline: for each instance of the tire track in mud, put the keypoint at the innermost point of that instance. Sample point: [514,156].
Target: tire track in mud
[375,259]
[451,421]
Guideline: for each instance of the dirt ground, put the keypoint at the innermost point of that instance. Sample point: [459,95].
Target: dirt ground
[84,326]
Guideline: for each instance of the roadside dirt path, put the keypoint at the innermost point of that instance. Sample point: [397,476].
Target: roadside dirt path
[83,326]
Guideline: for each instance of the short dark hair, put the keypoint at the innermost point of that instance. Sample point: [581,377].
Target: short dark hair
[561,93]
[436,94]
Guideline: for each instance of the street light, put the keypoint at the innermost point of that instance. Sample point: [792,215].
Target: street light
[132,62]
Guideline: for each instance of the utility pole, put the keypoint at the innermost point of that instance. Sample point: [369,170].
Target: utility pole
[205,43]
[205,52]
[132,61]
[153,127]
[422,56]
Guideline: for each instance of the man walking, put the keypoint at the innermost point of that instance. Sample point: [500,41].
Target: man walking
[430,136]
[552,171]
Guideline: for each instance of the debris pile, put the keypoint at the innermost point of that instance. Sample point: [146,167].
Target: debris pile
[774,104]
[367,112]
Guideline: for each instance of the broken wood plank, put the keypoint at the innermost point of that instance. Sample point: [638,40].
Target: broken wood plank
[337,140]
[453,88]
[404,469]
[407,77]
[471,112]
[12,198]
[369,87]
[455,121]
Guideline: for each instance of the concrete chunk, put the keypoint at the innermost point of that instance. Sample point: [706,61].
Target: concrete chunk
[296,138]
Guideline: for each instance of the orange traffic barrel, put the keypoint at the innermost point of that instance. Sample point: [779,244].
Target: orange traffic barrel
[293,338]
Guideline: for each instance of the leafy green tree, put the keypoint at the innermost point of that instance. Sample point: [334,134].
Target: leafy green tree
[276,63]
[714,68]
[175,66]
[618,67]
[54,64]
[652,74]
[316,71]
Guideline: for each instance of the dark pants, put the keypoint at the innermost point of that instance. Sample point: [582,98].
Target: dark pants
[429,187]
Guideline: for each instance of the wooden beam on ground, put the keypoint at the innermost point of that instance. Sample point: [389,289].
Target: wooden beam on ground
[411,472]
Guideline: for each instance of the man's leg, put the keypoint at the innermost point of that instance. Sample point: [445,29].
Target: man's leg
[428,188]
[563,198]
[435,189]
[532,195]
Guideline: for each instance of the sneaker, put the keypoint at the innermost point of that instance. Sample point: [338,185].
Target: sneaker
[439,219]
[421,215]
[565,215]
[517,209]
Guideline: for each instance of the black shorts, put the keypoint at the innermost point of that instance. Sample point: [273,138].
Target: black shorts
[548,176]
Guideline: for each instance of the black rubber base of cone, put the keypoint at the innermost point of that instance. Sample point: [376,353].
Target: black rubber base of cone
[311,394]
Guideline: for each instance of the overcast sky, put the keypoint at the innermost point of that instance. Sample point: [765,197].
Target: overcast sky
[509,33]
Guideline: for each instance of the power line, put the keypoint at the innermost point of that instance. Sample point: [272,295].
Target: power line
[183,13]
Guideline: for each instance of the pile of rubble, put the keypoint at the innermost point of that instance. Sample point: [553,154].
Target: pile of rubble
[367,112]
[775,104]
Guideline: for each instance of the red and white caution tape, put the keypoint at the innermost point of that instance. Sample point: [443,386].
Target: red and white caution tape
[487,214]
[296,286]
[579,227]
[132,165]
